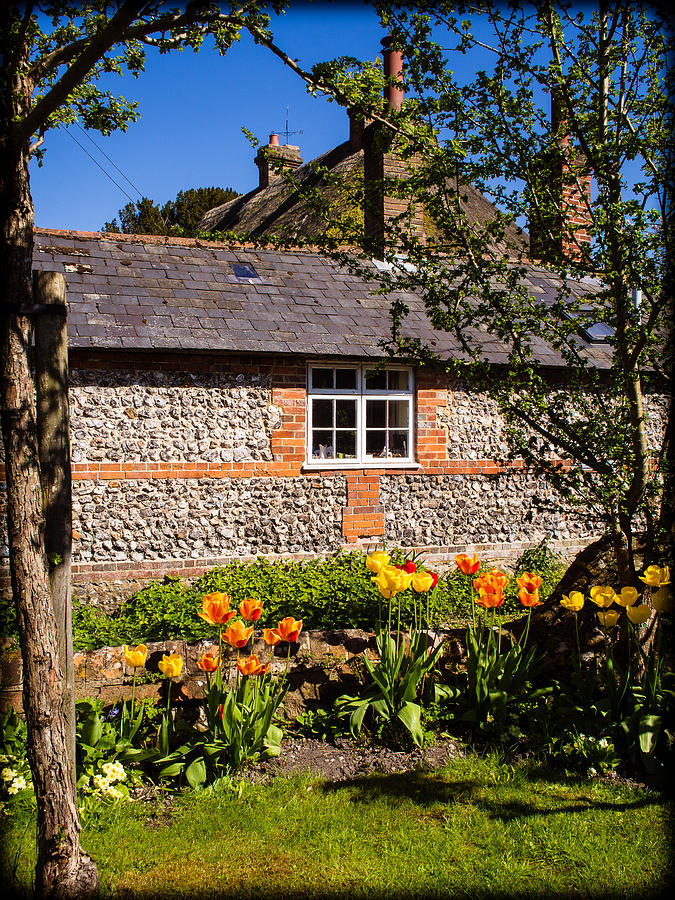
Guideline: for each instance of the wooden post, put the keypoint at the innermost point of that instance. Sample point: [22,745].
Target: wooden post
[53,424]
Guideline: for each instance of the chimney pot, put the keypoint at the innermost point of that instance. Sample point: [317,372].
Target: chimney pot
[393,67]
[274,140]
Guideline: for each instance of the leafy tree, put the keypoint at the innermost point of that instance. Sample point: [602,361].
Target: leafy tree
[179,216]
[608,72]
[51,56]
[189,206]
[139,217]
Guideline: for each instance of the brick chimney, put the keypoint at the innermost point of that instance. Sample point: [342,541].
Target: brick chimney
[560,233]
[275,159]
[382,163]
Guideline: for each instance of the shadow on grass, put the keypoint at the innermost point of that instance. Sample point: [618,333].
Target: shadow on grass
[427,790]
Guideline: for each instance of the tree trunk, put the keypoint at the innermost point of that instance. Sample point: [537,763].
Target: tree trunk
[62,870]
[53,425]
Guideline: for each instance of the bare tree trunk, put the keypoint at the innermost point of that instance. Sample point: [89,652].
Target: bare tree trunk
[62,870]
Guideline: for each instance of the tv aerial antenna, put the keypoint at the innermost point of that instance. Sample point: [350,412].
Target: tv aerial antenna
[285,131]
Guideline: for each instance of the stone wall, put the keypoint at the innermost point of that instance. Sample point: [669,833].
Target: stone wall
[478,510]
[171,416]
[191,518]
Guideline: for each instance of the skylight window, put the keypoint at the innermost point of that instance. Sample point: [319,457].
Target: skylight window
[594,333]
[244,271]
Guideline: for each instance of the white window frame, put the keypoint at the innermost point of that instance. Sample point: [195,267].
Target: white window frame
[361,394]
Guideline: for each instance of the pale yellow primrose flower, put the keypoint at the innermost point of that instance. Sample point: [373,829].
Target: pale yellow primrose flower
[574,601]
[662,600]
[608,617]
[627,597]
[656,576]
[638,614]
[603,596]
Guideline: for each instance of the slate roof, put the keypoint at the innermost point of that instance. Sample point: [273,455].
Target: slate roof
[128,292]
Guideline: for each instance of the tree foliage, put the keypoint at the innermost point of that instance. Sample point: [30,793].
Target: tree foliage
[608,71]
[178,217]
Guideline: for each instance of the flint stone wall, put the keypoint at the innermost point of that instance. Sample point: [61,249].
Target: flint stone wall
[476,429]
[477,509]
[159,416]
[195,518]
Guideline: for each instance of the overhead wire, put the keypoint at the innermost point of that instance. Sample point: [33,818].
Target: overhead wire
[112,163]
[96,162]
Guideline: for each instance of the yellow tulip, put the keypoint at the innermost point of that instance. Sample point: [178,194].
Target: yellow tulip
[638,614]
[171,665]
[603,596]
[422,582]
[608,617]
[627,597]
[392,580]
[135,658]
[656,576]
[375,561]
[574,601]
[662,600]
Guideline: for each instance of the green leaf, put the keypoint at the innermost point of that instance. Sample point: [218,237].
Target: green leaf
[649,730]
[410,715]
[196,772]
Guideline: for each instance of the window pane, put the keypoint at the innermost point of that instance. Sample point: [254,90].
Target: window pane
[376,413]
[345,379]
[377,381]
[398,443]
[397,380]
[322,445]
[376,443]
[322,413]
[345,443]
[398,414]
[345,413]
[322,378]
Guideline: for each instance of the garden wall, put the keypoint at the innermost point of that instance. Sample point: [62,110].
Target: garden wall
[322,665]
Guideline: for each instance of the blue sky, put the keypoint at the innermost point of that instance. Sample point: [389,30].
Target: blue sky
[193,107]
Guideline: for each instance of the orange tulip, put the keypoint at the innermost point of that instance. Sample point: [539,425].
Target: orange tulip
[208,662]
[490,588]
[529,582]
[469,565]
[528,599]
[288,629]
[237,635]
[250,609]
[216,608]
[251,665]
[271,637]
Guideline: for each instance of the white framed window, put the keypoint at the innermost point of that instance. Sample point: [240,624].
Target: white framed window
[357,416]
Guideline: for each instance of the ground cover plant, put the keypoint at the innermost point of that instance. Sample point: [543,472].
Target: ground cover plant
[478,827]
[325,593]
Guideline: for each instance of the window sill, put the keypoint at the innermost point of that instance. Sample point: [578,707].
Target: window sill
[340,464]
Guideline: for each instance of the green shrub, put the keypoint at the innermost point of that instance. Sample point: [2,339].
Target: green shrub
[325,593]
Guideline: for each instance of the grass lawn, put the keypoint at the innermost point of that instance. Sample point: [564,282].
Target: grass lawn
[473,829]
